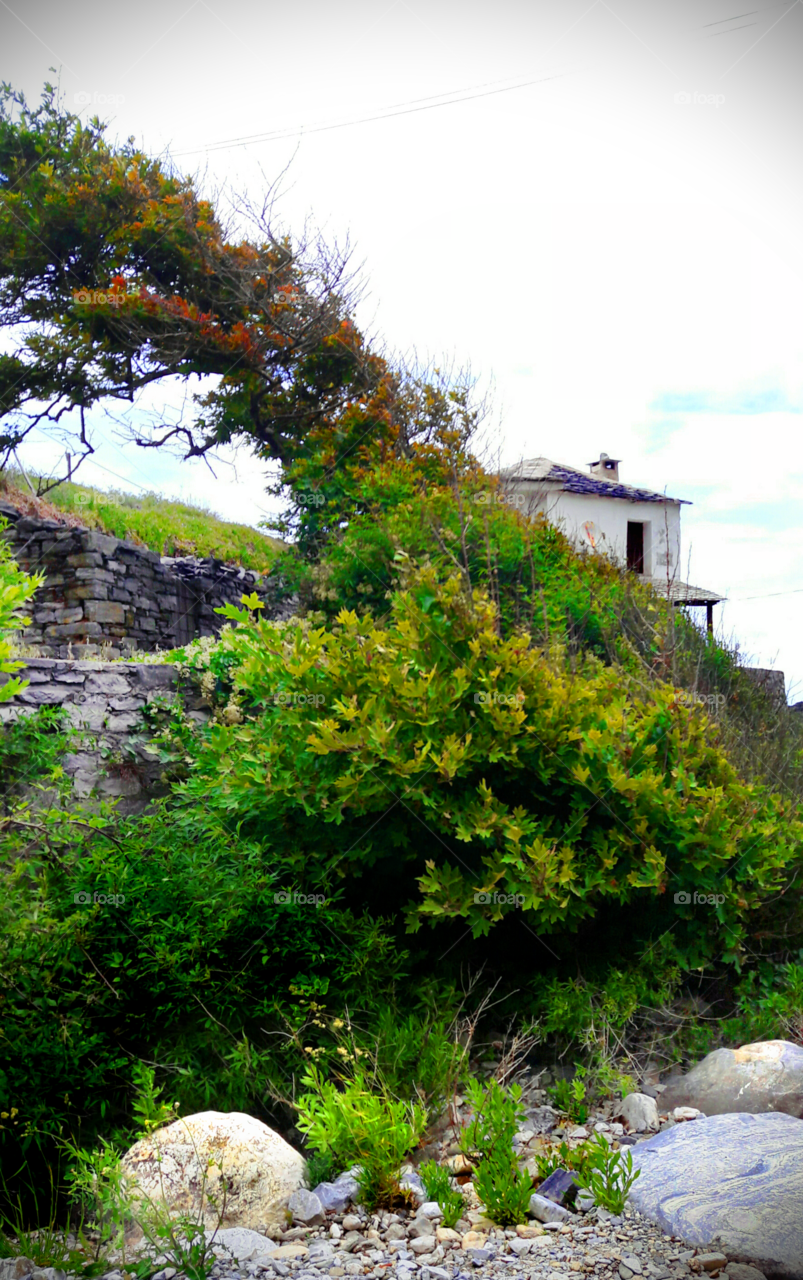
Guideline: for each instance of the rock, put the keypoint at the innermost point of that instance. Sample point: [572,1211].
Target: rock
[578,1131]
[420,1226]
[547,1211]
[447,1235]
[321,1253]
[430,1209]
[243,1244]
[762,1077]
[520,1246]
[15,1268]
[289,1252]
[395,1232]
[682,1114]
[743,1271]
[261,1169]
[632,1263]
[473,1240]
[424,1244]
[729,1182]
[306,1208]
[560,1186]
[334,1196]
[639,1112]
[459,1163]
[711,1261]
[351,1222]
[412,1182]
[352,1241]
[528,1230]
[480,1256]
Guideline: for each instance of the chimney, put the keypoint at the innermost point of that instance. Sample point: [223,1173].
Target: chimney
[606,468]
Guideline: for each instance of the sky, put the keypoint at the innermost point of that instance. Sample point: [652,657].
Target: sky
[596,206]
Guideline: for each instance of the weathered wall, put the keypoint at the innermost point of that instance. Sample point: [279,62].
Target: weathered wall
[106,597]
[104,701]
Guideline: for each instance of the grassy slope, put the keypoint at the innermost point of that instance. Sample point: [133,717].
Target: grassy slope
[170,528]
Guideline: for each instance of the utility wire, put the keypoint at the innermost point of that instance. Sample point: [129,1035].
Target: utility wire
[410,107]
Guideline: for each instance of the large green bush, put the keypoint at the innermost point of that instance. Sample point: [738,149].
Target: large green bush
[475,777]
[164,938]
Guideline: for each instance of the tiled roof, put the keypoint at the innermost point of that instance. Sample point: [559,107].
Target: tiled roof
[685,593]
[572,481]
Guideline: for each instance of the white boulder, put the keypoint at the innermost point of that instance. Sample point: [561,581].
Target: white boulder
[183,1166]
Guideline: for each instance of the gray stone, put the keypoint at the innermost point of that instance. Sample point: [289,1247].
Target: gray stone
[430,1209]
[639,1112]
[100,542]
[412,1182]
[560,1186]
[729,1182]
[757,1078]
[321,1253]
[15,1268]
[743,1271]
[244,1244]
[42,695]
[306,1208]
[547,1211]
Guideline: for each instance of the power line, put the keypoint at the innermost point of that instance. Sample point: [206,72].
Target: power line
[795,591]
[410,107]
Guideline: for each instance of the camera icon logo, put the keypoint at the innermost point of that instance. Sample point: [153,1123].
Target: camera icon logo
[683,898]
[484,898]
[82,897]
[82,98]
[683,98]
[282,897]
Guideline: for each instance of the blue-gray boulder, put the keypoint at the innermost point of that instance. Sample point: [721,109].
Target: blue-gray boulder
[732,1183]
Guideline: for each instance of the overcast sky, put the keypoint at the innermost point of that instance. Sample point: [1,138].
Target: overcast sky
[595,205]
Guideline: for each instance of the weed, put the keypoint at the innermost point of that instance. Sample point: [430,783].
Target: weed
[502,1187]
[609,1174]
[356,1124]
[438,1186]
[570,1098]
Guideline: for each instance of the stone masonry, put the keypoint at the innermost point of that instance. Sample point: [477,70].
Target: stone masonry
[106,597]
[111,757]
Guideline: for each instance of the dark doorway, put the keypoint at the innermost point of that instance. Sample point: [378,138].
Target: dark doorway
[635,546]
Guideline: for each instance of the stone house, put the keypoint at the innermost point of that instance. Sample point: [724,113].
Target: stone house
[635,527]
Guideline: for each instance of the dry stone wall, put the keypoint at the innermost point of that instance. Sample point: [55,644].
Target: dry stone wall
[104,597]
[112,756]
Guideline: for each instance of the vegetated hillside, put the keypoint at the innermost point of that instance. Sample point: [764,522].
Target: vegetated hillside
[161,524]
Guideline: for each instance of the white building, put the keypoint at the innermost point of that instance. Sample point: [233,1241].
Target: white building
[636,528]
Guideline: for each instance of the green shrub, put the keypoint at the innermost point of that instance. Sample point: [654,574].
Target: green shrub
[501,752]
[569,1096]
[502,1187]
[609,1174]
[193,962]
[419,1057]
[438,1185]
[356,1123]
